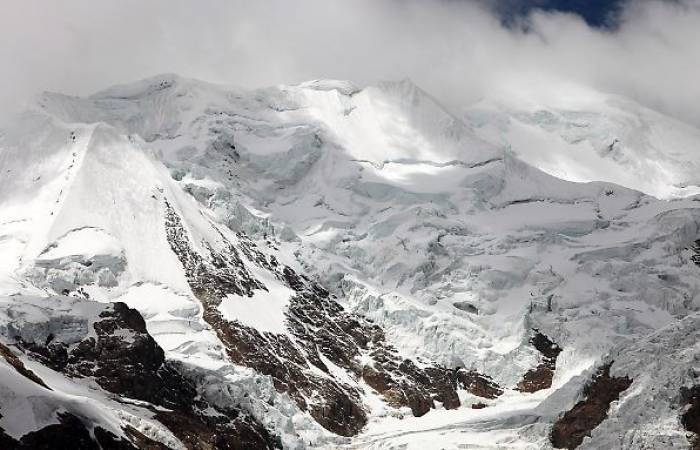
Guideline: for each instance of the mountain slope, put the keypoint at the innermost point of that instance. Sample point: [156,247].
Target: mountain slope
[328,262]
[584,135]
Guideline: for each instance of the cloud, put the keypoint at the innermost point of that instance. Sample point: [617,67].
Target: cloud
[457,50]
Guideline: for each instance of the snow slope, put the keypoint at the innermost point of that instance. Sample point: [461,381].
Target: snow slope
[583,135]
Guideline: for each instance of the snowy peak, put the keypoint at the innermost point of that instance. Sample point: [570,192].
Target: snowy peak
[94,178]
[344,87]
[610,139]
[141,89]
[367,123]
[398,122]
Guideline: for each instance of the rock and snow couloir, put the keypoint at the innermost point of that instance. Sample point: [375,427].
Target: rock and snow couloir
[319,266]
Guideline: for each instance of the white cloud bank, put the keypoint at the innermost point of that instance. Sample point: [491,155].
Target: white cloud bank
[456,50]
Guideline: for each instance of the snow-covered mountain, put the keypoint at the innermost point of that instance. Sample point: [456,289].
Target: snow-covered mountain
[582,135]
[185,265]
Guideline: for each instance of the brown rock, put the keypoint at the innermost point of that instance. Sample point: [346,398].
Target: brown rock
[690,399]
[568,432]
[477,384]
[19,366]
[540,377]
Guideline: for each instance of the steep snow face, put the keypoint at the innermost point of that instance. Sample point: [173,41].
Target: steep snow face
[88,200]
[456,236]
[89,221]
[392,123]
[595,137]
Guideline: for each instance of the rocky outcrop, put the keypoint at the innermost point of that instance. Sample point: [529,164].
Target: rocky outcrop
[124,359]
[540,377]
[223,430]
[570,430]
[478,384]
[690,418]
[320,333]
[695,257]
[72,433]
[19,366]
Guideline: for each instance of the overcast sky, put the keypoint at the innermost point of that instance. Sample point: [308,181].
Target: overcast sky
[458,50]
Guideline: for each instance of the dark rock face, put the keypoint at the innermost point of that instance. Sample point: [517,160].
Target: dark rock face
[19,366]
[568,432]
[540,377]
[233,431]
[69,433]
[696,256]
[690,400]
[124,359]
[321,330]
[477,384]
[466,307]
